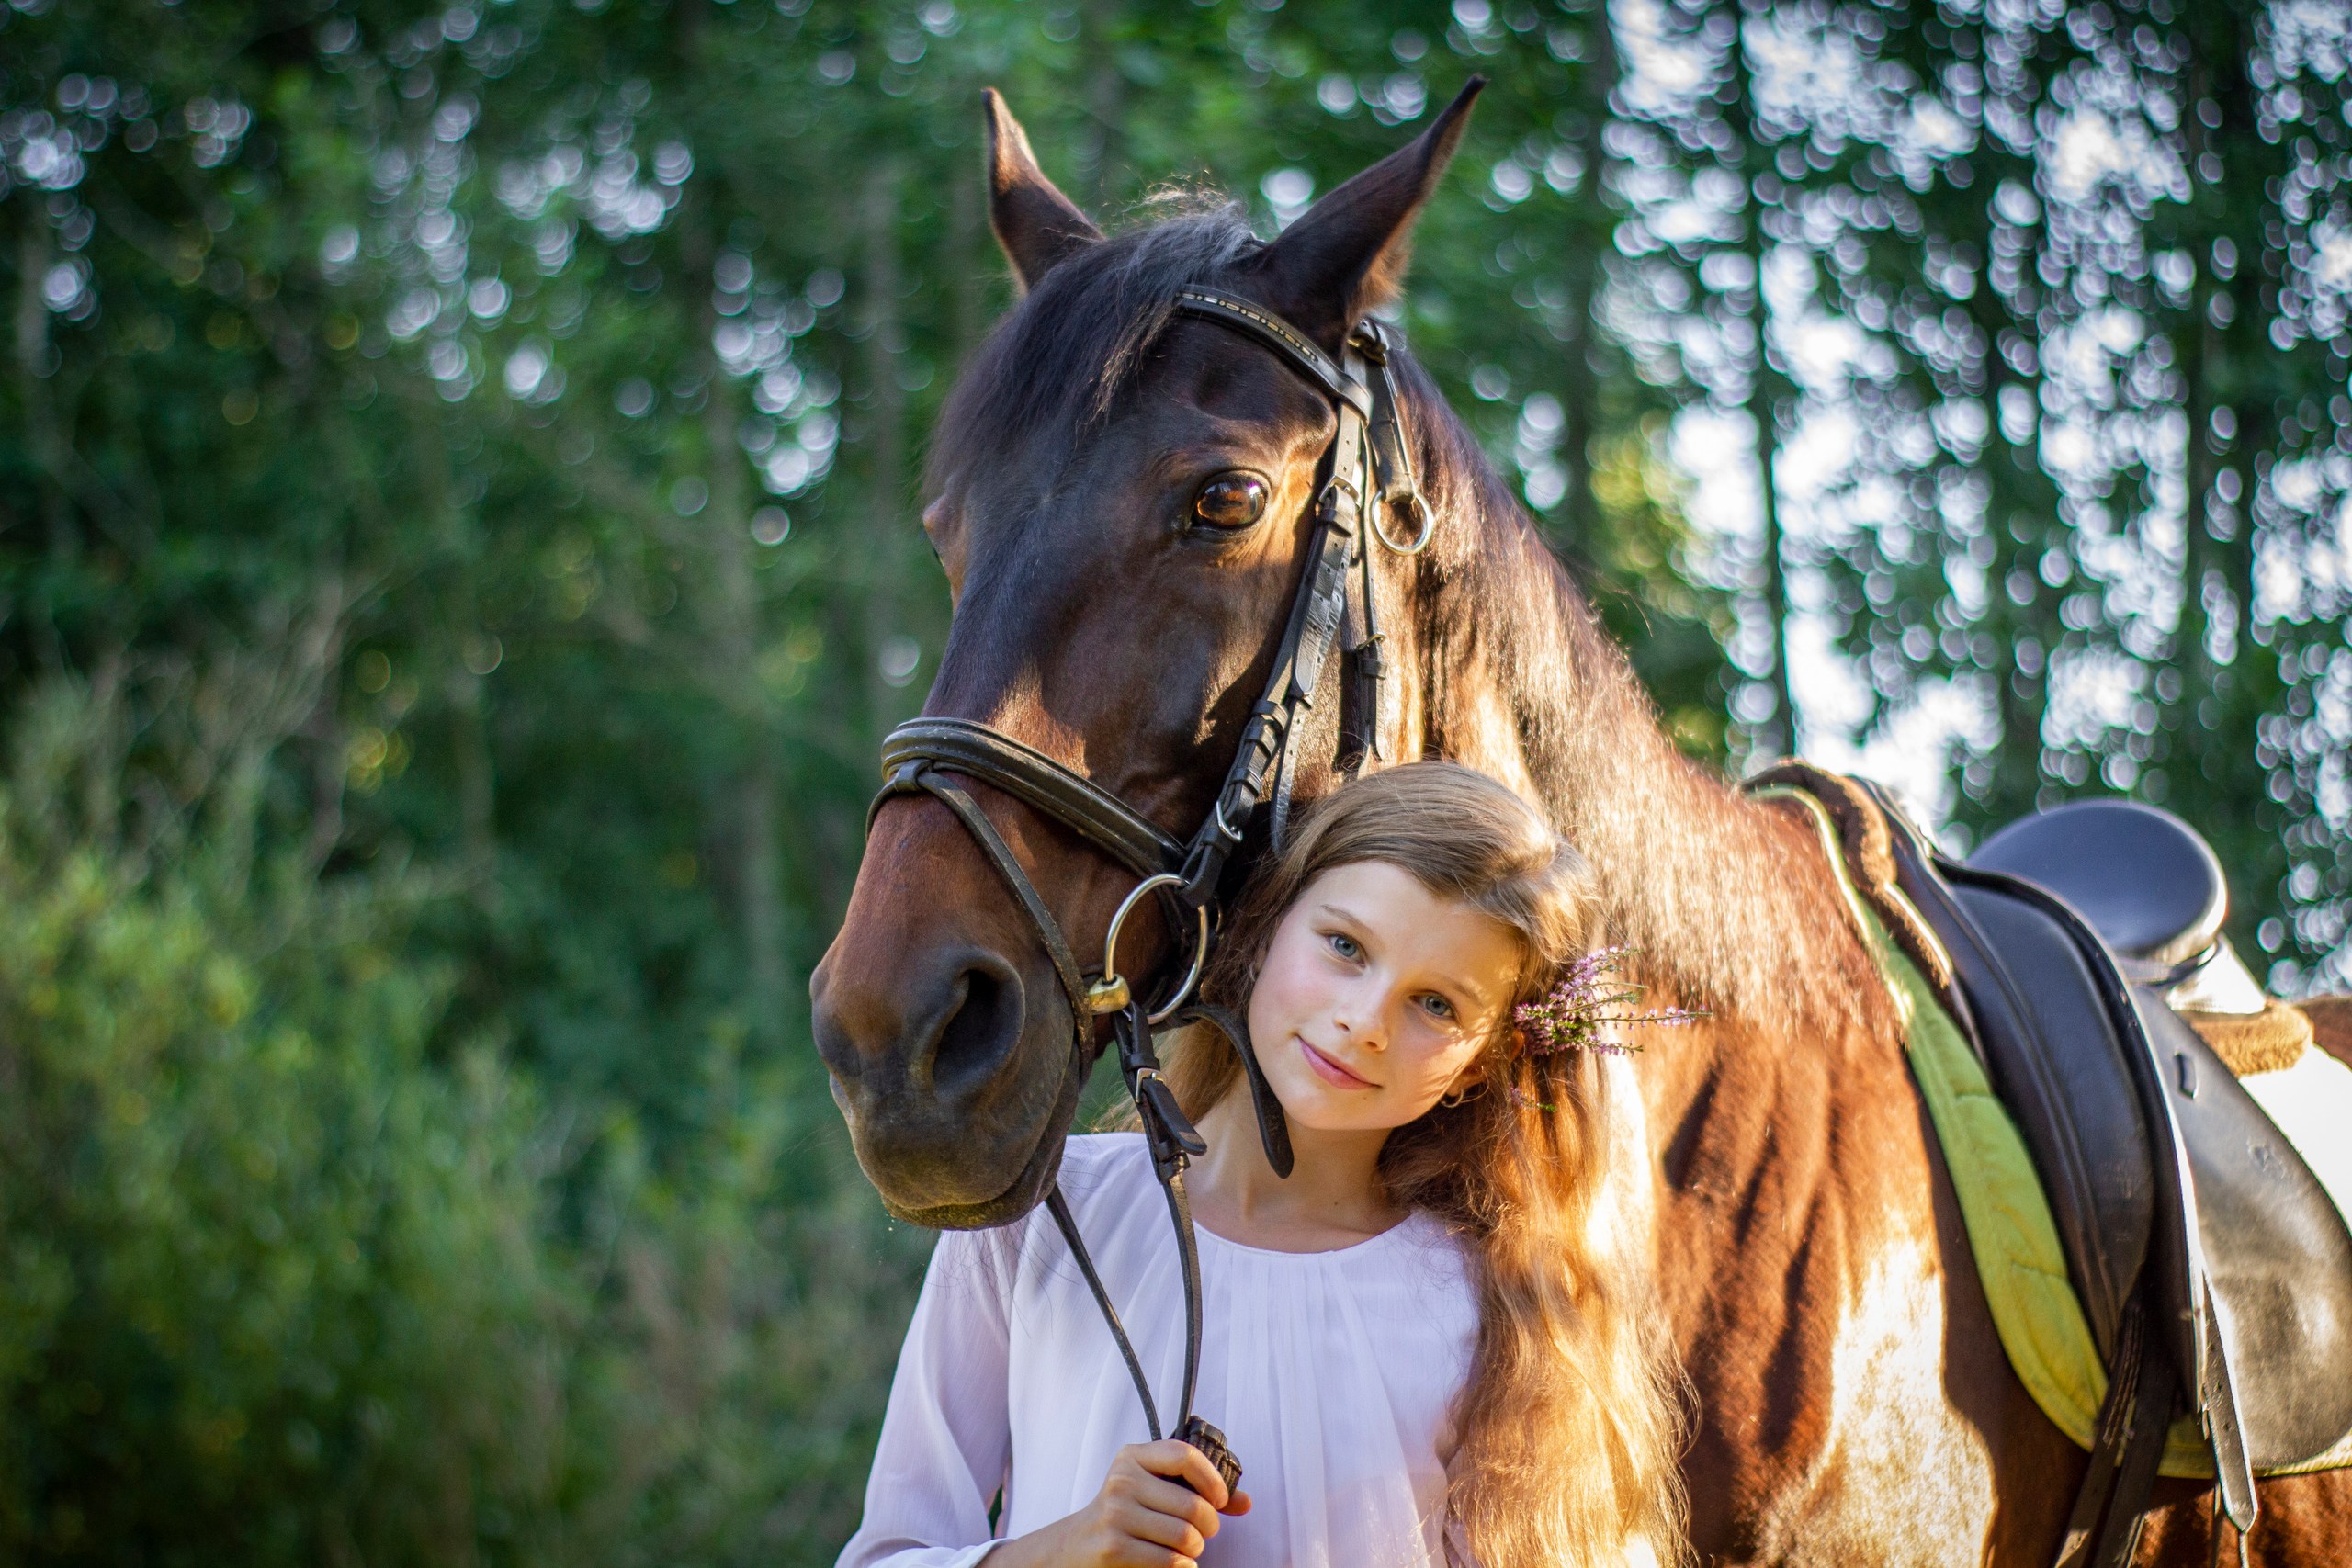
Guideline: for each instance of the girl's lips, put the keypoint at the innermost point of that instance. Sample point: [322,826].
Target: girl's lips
[1330,1072]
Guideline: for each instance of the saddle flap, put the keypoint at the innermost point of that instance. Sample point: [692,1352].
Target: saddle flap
[2056,1061]
[2025,995]
[2169,1184]
[2276,1252]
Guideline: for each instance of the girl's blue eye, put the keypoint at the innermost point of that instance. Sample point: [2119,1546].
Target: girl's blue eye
[1438,1006]
[1346,947]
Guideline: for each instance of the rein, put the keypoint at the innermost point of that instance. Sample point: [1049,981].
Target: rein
[1365,471]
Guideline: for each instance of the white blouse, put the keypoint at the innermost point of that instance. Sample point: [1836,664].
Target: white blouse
[1331,1374]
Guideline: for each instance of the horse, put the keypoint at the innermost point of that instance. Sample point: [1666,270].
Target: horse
[1852,1403]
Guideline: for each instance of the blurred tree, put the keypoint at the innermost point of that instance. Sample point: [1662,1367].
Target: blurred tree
[464,456]
[2247,288]
[2043,298]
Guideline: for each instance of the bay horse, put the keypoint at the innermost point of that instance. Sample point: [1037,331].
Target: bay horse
[1852,1403]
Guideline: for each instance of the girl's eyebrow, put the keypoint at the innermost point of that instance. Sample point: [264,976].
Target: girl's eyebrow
[1340,911]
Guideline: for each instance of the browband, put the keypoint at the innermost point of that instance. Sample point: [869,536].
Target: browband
[1216,305]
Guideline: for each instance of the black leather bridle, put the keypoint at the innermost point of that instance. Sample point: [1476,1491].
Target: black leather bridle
[1365,471]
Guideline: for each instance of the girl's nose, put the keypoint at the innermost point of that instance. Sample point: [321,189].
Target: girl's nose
[1345,1021]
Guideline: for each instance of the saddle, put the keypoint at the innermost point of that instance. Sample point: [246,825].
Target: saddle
[2213,1269]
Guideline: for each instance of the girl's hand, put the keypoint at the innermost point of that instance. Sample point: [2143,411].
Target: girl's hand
[1141,1518]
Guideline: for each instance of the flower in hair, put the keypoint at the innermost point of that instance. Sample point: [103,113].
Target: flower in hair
[1590,997]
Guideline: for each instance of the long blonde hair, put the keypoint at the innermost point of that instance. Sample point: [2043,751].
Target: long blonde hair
[1566,1433]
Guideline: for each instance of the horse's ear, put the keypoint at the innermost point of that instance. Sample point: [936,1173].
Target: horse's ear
[1034,222]
[1346,255]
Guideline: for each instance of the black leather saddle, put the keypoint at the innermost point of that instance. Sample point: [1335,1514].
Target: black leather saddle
[2214,1270]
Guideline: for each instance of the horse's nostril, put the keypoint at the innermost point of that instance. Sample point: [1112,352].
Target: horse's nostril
[978,1036]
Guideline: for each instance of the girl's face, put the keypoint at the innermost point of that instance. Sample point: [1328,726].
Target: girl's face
[1377,994]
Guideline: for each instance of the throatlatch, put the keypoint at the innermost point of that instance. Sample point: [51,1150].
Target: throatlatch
[1365,472]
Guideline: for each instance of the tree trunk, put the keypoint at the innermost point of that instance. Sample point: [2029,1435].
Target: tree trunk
[1768,390]
[886,440]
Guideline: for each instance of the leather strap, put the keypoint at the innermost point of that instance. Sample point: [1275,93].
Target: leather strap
[1391,455]
[1171,1139]
[1273,1126]
[1188,1258]
[1059,1207]
[1008,867]
[1029,776]
[2126,1446]
[2106,1438]
[2217,1397]
[2154,1404]
[1233,311]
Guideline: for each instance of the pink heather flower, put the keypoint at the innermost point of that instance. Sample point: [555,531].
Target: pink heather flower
[1589,997]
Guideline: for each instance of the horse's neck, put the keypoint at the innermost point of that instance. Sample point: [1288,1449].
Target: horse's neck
[1732,906]
[1727,903]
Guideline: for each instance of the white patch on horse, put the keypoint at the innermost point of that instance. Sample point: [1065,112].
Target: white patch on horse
[1901,1477]
[1625,1216]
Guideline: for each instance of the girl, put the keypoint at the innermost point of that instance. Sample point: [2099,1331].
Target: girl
[1430,1344]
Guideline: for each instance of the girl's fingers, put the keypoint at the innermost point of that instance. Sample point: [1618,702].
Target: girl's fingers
[1175,1458]
[1144,1525]
[1167,1513]
[1238,1503]
[1134,1553]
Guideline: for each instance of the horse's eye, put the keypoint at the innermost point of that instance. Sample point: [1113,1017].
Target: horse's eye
[1230,501]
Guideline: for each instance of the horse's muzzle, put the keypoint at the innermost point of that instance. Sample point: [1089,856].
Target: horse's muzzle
[954,1073]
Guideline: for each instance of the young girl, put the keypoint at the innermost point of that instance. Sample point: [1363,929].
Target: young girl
[1430,1344]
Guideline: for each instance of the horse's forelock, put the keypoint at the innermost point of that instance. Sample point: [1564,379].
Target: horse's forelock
[1054,364]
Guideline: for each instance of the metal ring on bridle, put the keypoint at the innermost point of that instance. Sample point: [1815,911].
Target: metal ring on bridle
[1418,509]
[1110,993]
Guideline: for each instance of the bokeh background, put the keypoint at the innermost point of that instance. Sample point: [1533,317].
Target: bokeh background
[457,558]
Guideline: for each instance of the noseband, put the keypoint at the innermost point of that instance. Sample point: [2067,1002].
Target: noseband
[1334,608]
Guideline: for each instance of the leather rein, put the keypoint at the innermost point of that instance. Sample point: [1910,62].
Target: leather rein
[1365,470]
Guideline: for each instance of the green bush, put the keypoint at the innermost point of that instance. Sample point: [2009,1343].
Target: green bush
[279,1285]
[270,1280]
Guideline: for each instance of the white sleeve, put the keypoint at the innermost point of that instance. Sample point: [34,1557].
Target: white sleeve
[946,1437]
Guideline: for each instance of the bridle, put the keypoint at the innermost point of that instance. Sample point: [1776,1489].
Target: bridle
[1334,608]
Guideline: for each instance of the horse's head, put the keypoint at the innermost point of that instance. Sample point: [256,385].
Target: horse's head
[1120,496]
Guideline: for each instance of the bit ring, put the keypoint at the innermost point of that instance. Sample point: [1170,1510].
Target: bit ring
[1110,993]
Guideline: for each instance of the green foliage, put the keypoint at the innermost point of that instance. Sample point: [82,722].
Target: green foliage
[2035,321]
[283,1287]
[269,1282]
[280,1286]
[457,559]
